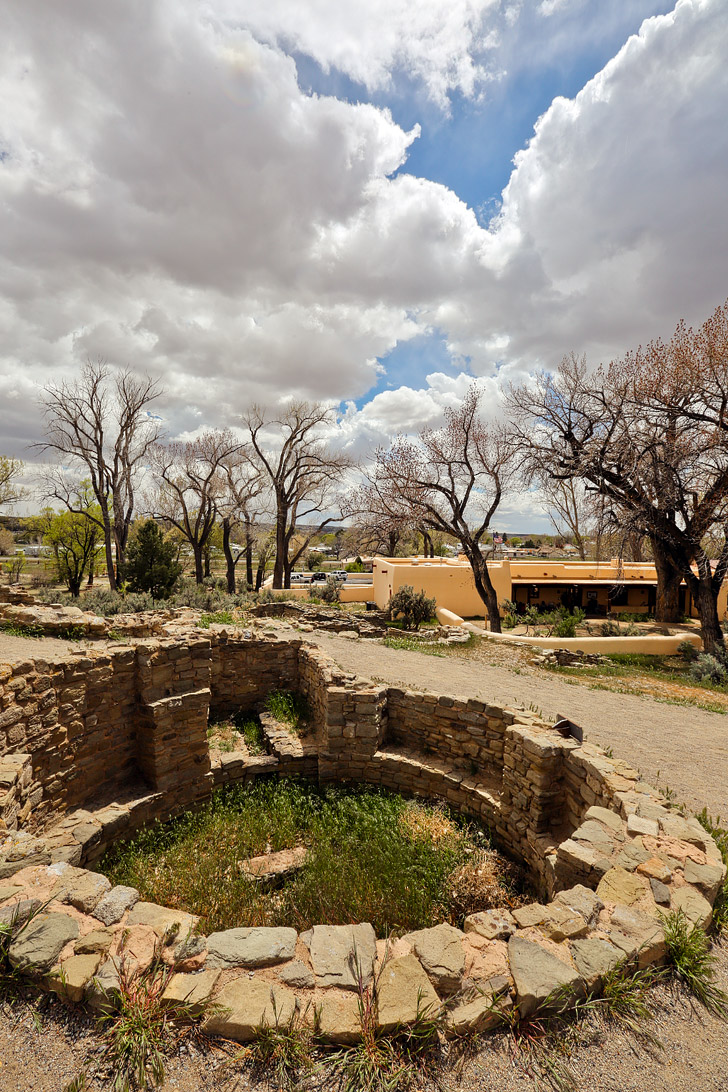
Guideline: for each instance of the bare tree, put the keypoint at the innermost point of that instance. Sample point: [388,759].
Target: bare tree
[304,475]
[102,424]
[380,523]
[652,445]
[10,489]
[240,508]
[451,480]
[191,486]
[569,510]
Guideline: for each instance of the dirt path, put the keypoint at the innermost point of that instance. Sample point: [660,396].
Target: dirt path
[681,747]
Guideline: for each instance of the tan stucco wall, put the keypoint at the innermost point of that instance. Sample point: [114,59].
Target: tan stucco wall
[450,581]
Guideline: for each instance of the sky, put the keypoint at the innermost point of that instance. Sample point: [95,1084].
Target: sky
[369,204]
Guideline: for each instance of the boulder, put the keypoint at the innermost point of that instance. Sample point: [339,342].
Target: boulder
[341,953]
[38,945]
[440,951]
[85,891]
[404,993]
[251,947]
[538,974]
[246,1004]
[115,903]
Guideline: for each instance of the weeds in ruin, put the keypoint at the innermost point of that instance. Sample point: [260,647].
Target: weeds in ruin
[371,857]
[287,707]
[282,1052]
[227,733]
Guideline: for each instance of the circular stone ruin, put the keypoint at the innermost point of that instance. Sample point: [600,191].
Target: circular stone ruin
[98,745]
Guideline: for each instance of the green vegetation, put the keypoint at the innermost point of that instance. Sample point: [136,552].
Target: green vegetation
[429,648]
[411,608]
[289,708]
[151,561]
[219,618]
[224,733]
[372,856]
[720,836]
[692,962]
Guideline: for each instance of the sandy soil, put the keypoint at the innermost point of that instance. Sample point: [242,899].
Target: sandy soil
[681,747]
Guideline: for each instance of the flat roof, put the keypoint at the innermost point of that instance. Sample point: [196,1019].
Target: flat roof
[636,582]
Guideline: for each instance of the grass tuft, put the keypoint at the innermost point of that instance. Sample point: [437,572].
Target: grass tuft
[692,962]
[288,708]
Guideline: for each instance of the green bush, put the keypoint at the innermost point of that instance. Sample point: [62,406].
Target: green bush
[688,651]
[151,562]
[566,622]
[411,608]
[331,591]
[707,668]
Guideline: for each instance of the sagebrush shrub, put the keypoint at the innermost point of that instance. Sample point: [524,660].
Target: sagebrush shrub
[707,668]
[411,608]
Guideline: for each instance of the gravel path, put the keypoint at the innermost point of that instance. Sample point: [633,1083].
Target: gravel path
[677,746]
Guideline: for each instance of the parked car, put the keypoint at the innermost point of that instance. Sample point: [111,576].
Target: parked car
[301,578]
[339,574]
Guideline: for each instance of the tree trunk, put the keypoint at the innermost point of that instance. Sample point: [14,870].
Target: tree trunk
[197,551]
[229,561]
[669,579]
[484,587]
[705,598]
[281,550]
[111,571]
[206,554]
[260,572]
[248,555]
[392,540]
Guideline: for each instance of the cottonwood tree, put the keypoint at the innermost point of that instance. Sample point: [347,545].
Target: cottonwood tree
[191,486]
[451,480]
[240,509]
[302,472]
[653,447]
[10,488]
[569,510]
[75,539]
[380,526]
[101,423]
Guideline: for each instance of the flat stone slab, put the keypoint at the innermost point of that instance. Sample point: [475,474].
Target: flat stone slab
[162,920]
[479,1014]
[620,886]
[707,876]
[556,922]
[246,1004]
[297,975]
[102,987]
[696,908]
[251,947]
[404,993]
[99,940]
[272,867]
[440,951]
[594,958]
[191,990]
[341,953]
[537,973]
[115,903]
[38,946]
[491,924]
[70,978]
[85,891]
[339,1018]
[581,899]
[637,934]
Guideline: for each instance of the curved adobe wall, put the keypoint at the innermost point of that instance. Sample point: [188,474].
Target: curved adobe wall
[112,740]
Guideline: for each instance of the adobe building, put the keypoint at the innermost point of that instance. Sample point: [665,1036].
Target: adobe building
[597,588]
